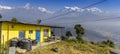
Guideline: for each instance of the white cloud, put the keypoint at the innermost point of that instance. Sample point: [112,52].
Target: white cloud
[78,9]
[2,7]
[94,9]
[75,9]
[27,6]
[44,10]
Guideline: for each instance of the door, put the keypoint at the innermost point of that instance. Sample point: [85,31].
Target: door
[38,35]
[22,34]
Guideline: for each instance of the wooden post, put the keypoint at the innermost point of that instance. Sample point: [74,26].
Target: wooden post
[3,45]
[40,40]
[61,32]
[0,44]
[8,32]
[54,31]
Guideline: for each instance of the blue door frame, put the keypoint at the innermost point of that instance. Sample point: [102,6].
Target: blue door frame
[38,35]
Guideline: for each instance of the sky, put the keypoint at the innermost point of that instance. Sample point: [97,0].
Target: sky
[54,5]
[41,7]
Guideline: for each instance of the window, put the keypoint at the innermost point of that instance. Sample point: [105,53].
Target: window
[30,31]
[22,34]
[45,32]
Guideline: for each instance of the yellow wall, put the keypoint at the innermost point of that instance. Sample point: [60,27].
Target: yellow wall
[8,32]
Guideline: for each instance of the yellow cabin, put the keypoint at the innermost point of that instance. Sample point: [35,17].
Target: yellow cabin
[20,30]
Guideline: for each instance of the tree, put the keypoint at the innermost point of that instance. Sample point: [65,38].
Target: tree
[14,19]
[38,21]
[0,16]
[68,34]
[79,31]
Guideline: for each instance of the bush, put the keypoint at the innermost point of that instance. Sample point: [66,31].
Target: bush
[108,43]
[72,41]
[92,42]
[68,34]
[80,40]
[64,38]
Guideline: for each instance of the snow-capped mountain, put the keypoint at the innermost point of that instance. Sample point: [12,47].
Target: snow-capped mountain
[26,13]
[73,14]
[66,15]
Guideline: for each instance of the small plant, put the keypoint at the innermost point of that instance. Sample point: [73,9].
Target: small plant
[92,42]
[68,34]
[72,41]
[109,43]
[38,21]
[0,16]
[64,38]
[14,19]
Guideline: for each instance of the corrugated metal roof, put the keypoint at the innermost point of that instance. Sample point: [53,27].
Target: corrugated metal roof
[33,24]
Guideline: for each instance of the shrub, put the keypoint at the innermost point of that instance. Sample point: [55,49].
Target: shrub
[64,38]
[108,43]
[68,34]
[92,42]
[80,40]
[72,41]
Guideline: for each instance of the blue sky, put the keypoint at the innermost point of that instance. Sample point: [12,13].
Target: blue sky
[111,5]
[108,8]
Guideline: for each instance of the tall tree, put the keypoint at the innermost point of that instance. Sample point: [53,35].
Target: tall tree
[79,31]
[14,19]
[68,34]
[0,16]
[38,21]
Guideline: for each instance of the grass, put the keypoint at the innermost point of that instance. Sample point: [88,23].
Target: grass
[71,48]
[3,49]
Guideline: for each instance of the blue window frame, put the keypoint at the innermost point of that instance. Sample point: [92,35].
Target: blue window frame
[45,32]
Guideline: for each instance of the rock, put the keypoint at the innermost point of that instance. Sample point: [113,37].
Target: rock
[19,50]
[115,52]
[54,49]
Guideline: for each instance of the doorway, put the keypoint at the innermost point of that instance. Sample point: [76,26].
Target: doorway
[38,35]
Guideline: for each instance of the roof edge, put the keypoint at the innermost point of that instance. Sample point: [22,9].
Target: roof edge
[34,24]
